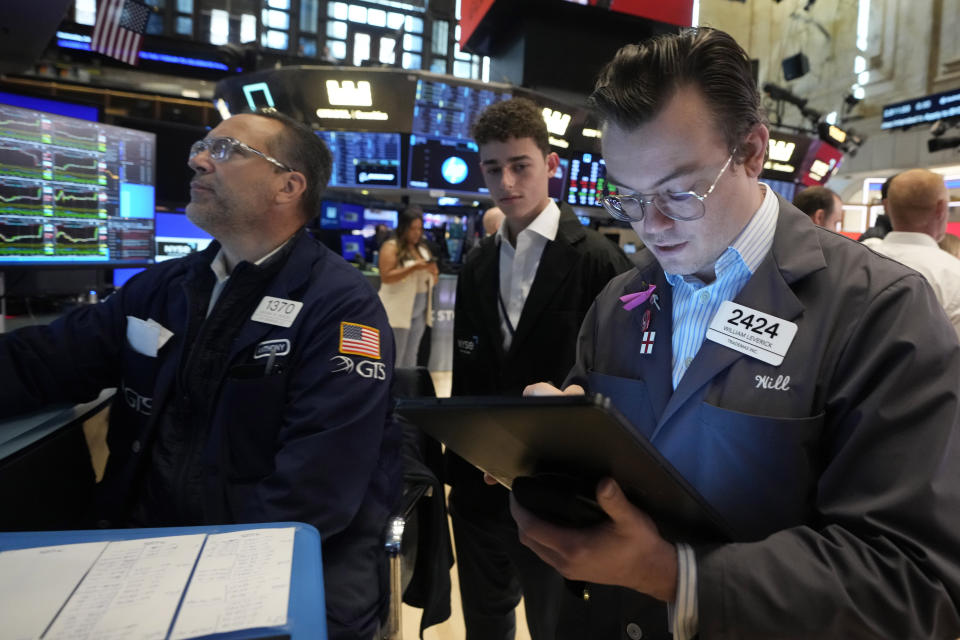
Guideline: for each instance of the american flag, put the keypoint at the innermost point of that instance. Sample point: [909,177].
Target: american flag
[120,28]
[359,339]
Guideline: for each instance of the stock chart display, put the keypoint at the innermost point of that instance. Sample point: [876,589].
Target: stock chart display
[363,159]
[588,180]
[444,109]
[73,190]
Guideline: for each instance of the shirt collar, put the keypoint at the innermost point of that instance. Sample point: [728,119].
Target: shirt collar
[750,246]
[219,263]
[546,224]
[910,237]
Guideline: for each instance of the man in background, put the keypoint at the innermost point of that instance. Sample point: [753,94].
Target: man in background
[521,297]
[918,206]
[881,226]
[824,207]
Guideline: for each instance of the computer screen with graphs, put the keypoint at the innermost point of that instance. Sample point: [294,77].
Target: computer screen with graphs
[74,192]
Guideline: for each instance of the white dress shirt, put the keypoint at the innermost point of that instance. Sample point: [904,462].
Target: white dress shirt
[518,266]
[921,253]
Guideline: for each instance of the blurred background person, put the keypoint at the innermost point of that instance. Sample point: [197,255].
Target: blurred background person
[408,271]
[882,225]
[492,218]
[824,207]
[918,205]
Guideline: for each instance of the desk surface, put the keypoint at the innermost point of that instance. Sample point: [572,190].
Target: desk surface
[306,613]
[24,430]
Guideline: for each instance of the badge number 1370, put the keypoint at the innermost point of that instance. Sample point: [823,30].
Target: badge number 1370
[754,333]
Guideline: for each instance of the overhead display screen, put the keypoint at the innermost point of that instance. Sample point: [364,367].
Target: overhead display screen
[444,109]
[588,180]
[558,180]
[364,159]
[74,191]
[785,156]
[445,164]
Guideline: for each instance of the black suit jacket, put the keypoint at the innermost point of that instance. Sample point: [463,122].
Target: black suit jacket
[573,269]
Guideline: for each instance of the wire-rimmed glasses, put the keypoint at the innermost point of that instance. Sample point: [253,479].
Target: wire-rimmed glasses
[222,148]
[683,206]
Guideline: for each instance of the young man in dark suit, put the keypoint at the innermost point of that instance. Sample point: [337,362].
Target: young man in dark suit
[521,298]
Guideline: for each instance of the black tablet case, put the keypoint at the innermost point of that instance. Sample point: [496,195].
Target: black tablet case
[582,436]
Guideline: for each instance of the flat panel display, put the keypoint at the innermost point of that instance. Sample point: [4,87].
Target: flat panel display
[821,163]
[445,164]
[559,179]
[178,237]
[351,247]
[364,159]
[447,109]
[71,109]
[351,216]
[588,180]
[372,217]
[785,156]
[329,215]
[74,191]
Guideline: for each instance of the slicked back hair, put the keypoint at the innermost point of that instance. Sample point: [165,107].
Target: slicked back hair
[298,147]
[635,86]
[515,118]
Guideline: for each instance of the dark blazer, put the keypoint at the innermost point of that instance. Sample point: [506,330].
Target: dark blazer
[839,469]
[573,269]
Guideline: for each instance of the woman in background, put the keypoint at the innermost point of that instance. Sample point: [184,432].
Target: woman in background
[408,272]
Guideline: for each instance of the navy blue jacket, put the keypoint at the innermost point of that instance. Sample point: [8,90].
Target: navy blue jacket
[310,442]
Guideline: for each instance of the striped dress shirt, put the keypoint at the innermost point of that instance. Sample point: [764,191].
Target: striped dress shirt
[694,305]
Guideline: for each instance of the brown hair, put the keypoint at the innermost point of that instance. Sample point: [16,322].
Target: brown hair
[514,118]
[642,78]
[298,147]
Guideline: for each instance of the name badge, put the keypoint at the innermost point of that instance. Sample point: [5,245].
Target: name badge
[272,348]
[277,311]
[752,332]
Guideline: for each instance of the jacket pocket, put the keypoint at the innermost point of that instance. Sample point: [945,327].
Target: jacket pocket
[760,471]
[250,413]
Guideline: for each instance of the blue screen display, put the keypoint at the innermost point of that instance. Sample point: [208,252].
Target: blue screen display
[351,246]
[80,111]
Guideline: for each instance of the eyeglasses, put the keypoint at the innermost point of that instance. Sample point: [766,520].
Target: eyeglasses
[222,148]
[682,206]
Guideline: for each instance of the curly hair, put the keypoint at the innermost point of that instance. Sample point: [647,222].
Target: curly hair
[514,118]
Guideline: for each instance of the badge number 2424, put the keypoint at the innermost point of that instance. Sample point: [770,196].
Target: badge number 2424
[757,324]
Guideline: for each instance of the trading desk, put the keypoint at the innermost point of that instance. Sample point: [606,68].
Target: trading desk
[306,613]
[46,477]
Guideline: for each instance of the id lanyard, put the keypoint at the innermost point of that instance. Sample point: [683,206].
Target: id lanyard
[506,316]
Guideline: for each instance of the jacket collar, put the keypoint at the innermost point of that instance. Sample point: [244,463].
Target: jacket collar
[796,253]
[558,258]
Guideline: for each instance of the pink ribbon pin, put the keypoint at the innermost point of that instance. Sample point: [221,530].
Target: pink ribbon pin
[634,300]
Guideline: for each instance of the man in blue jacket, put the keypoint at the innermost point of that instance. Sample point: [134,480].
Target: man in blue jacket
[805,386]
[252,378]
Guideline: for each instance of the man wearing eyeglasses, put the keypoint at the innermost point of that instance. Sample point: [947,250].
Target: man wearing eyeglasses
[806,387]
[252,378]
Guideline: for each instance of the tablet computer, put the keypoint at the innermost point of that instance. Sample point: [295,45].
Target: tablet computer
[567,443]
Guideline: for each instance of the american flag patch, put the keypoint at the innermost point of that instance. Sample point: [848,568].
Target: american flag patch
[359,339]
